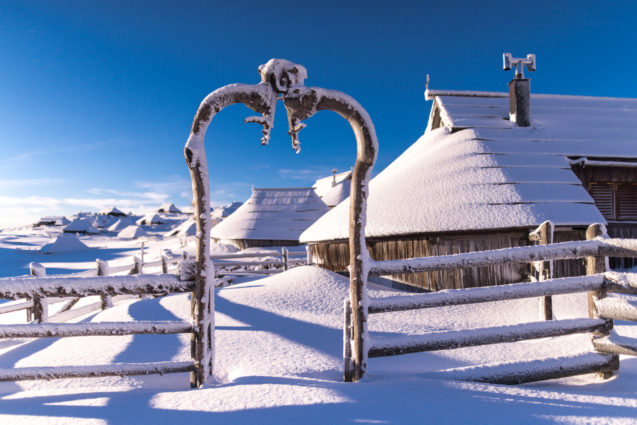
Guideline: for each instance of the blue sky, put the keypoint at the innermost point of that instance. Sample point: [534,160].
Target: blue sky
[97,97]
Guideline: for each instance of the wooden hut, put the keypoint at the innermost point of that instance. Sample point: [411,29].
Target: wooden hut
[271,217]
[334,189]
[476,181]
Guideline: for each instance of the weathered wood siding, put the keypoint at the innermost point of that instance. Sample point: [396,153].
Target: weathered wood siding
[334,256]
[255,243]
[622,230]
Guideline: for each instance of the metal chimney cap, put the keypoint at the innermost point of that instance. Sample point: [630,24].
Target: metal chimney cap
[509,61]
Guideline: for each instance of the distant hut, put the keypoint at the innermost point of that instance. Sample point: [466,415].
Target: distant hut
[476,181]
[52,221]
[121,224]
[271,217]
[150,219]
[132,232]
[102,221]
[113,212]
[82,226]
[334,189]
[169,208]
[224,211]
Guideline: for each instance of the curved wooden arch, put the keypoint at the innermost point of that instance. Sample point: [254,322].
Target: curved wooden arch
[279,78]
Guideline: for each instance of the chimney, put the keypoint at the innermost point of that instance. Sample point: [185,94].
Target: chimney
[519,89]
[334,177]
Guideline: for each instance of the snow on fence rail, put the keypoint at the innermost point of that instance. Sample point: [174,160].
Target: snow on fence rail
[597,283]
[38,288]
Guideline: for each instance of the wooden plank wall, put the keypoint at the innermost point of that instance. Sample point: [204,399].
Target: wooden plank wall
[334,256]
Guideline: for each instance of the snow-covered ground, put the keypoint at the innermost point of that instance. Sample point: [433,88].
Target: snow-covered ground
[279,358]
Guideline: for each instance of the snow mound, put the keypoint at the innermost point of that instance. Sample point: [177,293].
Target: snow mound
[121,224]
[64,243]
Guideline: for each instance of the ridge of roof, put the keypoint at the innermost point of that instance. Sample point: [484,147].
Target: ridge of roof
[431,94]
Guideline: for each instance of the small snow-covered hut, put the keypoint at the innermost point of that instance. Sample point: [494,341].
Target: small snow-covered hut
[150,219]
[112,211]
[102,221]
[271,217]
[225,210]
[64,243]
[132,232]
[476,181]
[81,225]
[169,208]
[334,189]
[52,221]
[121,224]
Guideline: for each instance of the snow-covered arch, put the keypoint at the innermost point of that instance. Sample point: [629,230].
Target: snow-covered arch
[284,78]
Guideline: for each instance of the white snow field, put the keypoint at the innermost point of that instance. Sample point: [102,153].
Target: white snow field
[279,361]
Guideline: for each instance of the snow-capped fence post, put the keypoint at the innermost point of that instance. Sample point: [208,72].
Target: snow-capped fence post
[543,270]
[164,264]
[347,341]
[102,270]
[308,255]
[40,305]
[285,258]
[594,265]
[137,266]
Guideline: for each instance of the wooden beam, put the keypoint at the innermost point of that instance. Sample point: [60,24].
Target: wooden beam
[494,335]
[61,286]
[536,370]
[93,328]
[566,285]
[119,369]
[615,344]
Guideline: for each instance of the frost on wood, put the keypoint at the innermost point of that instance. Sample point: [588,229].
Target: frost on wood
[21,287]
[93,328]
[566,285]
[121,369]
[494,335]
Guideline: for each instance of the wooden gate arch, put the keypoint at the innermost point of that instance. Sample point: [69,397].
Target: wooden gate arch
[285,80]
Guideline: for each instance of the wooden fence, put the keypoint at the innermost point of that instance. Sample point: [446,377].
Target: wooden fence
[38,288]
[233,265]
[597,283]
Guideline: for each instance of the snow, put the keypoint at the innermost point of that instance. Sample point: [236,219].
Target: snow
[64,243]
[334,189]
[150,219]
[272,214]
[279,360]
[114,211]
[168,208]
[121,224]
[225,210]
[132,232]
[81,225]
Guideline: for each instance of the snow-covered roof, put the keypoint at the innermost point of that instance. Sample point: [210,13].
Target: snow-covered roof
[132,232]
[272,214]
[168,208]
[225,210]
[114,211]
[334,189]
[150,219]
[81,225]
[121,224]
[480,171]
[64,243]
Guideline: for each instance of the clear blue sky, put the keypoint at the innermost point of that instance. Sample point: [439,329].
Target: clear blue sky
[98,97]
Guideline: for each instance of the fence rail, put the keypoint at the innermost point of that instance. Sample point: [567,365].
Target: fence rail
[597,283]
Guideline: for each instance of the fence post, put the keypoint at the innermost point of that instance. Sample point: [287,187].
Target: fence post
[40,304]
[284,254]
[142,253]
[164,264]
[102,270]
[137,266]
[594,265]
[543,235]
[308,253]
[347,341]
